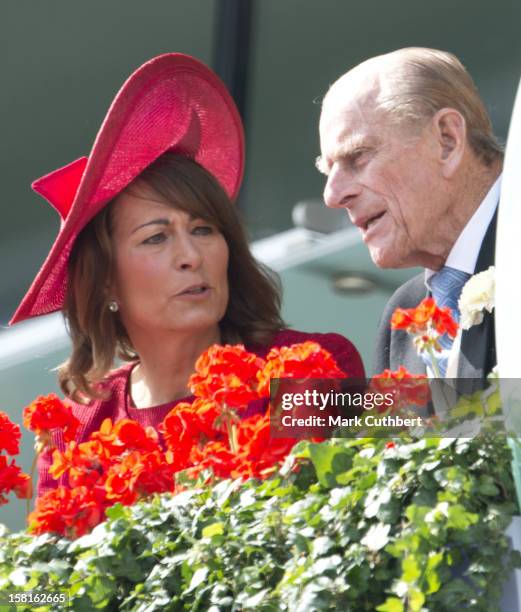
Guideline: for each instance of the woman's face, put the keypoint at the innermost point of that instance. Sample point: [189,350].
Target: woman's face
[170,270]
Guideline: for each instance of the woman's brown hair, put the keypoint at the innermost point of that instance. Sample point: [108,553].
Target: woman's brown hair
[97,334]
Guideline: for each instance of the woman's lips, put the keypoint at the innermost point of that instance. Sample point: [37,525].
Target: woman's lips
[200,291]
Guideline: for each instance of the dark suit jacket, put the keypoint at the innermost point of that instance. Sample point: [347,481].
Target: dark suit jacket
[478,348]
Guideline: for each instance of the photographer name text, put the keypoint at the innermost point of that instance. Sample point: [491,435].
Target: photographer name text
[368,420]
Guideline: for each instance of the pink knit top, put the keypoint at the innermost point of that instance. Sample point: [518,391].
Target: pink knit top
[119,403]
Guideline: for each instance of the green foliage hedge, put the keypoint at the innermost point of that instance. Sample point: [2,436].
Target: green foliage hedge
[346,525]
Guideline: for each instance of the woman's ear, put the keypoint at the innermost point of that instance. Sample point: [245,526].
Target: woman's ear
[111,295]
[450,132]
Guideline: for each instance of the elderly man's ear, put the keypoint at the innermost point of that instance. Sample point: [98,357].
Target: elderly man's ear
[450,132]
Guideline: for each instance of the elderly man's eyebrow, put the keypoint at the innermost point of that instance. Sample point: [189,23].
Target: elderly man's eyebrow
[321,165]
[352,146]
[347,150]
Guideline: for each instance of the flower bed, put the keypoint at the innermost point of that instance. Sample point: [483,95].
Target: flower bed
[346,525]
[212,521]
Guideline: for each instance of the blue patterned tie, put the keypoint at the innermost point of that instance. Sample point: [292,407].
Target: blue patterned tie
[446,286]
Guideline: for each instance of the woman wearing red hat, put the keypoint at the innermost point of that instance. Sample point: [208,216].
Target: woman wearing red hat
[151,263]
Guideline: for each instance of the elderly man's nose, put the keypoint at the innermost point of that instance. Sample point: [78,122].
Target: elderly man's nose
[340,188]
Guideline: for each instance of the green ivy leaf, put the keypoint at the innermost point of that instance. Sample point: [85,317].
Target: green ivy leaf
[411,569]
[431,573]
[459,518]
[329,461]
[391,604]
[322,545]
[416,600]
[213,530]
[387,526]
[116,511]
[377,537]
[198,578]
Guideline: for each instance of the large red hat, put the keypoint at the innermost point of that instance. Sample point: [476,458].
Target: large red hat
[173,102]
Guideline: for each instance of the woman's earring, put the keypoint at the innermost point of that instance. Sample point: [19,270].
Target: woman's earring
[113,306]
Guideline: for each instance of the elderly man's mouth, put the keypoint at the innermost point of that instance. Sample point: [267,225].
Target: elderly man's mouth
[370,222]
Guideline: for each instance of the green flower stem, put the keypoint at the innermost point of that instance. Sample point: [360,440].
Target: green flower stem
[31,476]
[231,429]
[437,374]
[232,436]
[434,362]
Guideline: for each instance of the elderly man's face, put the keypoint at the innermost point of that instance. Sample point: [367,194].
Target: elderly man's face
[386,177]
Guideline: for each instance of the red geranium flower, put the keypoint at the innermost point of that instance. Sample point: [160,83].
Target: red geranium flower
[217,456]
[125,435]
[13,479]
[194,421]
[257,455]
[424,317]
[228,375]
[444,322]
[119,486]
[121,479]
[85,463]
[9,435]
[137,475]
[49,412]
[134,437]
[187,426]
[154,474]
[407,389]
[301,361]
[402,319]
[260,453]
[68,512]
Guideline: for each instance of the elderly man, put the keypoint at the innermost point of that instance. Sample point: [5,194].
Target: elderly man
[409,152]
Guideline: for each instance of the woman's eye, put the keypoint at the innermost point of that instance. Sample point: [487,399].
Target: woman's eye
[155,239]
[203,230]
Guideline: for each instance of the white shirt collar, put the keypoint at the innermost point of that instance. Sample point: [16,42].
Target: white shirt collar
[464,254]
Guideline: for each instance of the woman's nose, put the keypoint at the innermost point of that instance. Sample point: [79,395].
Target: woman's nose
[188,255]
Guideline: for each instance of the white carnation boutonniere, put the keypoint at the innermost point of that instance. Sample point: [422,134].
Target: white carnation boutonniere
[477,295]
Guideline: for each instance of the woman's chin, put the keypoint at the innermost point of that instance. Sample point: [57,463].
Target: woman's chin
[197,326]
